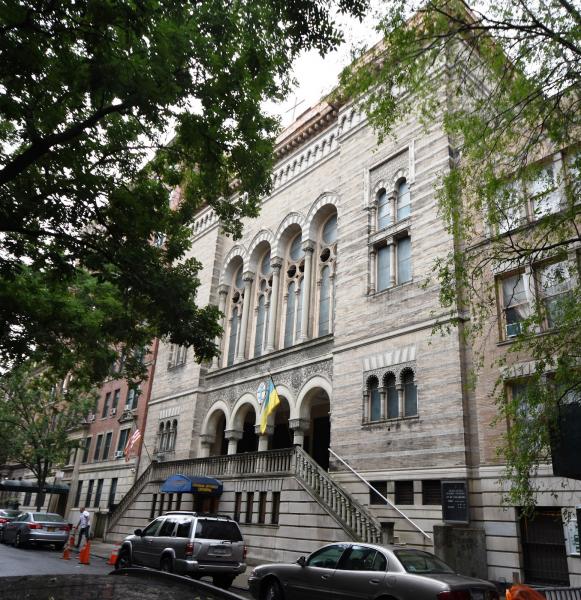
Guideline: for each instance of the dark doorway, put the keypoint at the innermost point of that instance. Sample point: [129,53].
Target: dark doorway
[249,441]
[321,441]
[206,504]
[543,543]
[281,438]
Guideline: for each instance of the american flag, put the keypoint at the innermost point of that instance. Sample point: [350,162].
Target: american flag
[135,437]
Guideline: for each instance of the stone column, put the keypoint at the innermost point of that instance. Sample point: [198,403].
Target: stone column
[392,264]
[393,202]
[308,248]
[223,294]
[207,440]
[365,406]
[400,398]
[383,399]
[233,436]
[372,218]
[276,264]
[248,278]
[263,437]
[299,427]
[372,270]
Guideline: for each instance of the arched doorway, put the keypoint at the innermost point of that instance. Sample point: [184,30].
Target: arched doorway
[282,436]
[318,437]
[249,440]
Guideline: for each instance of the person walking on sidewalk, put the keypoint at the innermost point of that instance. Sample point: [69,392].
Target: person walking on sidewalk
[84,525]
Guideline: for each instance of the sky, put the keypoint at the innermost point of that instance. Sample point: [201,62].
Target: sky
[317,76]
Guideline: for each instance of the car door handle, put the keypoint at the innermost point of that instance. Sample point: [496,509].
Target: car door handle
[374,581]
[324,577]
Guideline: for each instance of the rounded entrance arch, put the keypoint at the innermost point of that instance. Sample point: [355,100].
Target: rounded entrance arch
[314,407]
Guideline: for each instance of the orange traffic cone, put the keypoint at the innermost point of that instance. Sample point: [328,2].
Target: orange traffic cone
[67,549]
[114,553]
[85,553]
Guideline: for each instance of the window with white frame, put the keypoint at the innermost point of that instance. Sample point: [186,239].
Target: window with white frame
[515,299]
[177,356]
[554,284]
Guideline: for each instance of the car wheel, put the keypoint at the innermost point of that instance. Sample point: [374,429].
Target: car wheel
[1,536]
[166,565]
[123,559]
[222,581]
[273,591]
[18,543]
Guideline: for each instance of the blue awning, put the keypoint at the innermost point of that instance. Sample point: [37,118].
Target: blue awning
[178,484]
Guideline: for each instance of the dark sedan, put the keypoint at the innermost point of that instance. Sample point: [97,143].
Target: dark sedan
[364,571]
[41,528]
[6,515]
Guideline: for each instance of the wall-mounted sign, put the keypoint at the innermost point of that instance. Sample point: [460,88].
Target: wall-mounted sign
[455,507]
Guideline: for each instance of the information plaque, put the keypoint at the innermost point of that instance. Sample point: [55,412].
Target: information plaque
[455,501]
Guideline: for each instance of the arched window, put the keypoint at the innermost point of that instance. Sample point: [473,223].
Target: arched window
[290,315]
[161,436]
[383,210]
[295,266]
[410,394]
[260,322]
[324,301]
[327,254]
[374,399]
[392,397]
[173,429]
[403,200]
[233,336]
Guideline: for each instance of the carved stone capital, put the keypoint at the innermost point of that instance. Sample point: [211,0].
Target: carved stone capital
[223,289]
[299,425]
[233,434]
[207,439]
[308,246]
[276,263]
[248,276]
[268,431]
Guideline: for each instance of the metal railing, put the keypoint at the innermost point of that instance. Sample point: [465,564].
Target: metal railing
[126,501]
[352,516]
[560,593]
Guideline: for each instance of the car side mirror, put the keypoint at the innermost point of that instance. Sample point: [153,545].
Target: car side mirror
[138,532]
[302,561]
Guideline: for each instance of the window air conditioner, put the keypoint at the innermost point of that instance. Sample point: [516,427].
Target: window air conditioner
[512,329]
[119,454]
[112,411]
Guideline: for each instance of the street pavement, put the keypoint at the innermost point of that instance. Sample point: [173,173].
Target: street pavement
[44,560]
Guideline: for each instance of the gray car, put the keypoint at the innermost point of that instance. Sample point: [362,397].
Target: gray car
[188,543]
[351,571]
[38,528]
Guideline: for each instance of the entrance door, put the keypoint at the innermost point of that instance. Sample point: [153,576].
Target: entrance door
[543,542]
[321,440]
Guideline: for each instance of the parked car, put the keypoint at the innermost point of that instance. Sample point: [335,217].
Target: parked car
[6,515]
[356,571]
[38,528]
[189,543]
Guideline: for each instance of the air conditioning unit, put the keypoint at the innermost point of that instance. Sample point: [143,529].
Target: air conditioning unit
[90,418]
[513,329]
[112,411]
[119,454]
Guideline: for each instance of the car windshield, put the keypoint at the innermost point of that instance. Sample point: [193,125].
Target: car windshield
[421,563]
[47,518]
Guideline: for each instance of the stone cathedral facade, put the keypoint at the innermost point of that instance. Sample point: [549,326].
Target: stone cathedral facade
[331,292]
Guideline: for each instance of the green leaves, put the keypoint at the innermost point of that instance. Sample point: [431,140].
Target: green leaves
[105,107]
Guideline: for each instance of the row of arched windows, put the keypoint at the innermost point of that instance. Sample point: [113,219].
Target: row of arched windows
[392,398]
[290,297]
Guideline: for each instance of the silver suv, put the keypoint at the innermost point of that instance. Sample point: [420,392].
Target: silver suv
[189,543]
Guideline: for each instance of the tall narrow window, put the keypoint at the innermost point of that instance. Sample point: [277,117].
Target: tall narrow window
[555,284]
[404,260]
[98,493]
[275,508]
[233,335]
[515,303]
[260,320]
[237,506]
[98,443]
[544,193]
[392,397]
[86,448]
[383,268]
[403,200]
[105,412]
[299,309]
[262,507]
[112,492]
[77,495]
[89,492]
[249,507]
[383,210]
[410,395]
[374,399]
[290,315]
[153,503]
[325,301]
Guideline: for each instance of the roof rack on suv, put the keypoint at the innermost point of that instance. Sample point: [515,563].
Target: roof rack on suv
[197,514]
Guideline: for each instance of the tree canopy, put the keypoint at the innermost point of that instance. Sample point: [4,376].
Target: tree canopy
[505,84]
[38,411]
[88,93]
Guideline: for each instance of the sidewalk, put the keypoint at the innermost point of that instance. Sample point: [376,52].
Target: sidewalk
[103,550]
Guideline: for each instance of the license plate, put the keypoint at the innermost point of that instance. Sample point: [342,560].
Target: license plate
[50,528]
[477,595]
[221,551]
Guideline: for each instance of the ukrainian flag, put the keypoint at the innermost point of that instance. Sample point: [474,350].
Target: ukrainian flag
[271,402]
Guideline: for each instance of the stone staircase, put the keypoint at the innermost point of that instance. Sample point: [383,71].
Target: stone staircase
[352,517]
